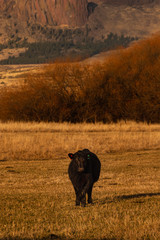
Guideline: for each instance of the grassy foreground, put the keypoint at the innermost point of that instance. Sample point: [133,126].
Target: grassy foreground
[37,198]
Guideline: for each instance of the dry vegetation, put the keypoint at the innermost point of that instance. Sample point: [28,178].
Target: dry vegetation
[125,86]
[46,140]
[13,75]
[37,198]
[6,53]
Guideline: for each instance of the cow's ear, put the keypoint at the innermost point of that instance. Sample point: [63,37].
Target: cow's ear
[70,155]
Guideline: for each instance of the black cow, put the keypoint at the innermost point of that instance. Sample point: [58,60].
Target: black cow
[84,170]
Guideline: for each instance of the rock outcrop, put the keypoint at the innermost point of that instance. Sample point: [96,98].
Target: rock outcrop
[137,18]
[48,12]
[130,2]
[43,20]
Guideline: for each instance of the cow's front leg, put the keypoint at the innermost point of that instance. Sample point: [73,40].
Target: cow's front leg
[77,200]
[90,194]
[87,187]
[77,197]
[83,201]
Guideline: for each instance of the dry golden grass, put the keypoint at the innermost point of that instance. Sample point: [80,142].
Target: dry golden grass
[13,75]
[47,140]
[37,198]
[15,52]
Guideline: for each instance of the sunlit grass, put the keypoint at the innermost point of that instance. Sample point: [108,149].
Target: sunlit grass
[37,200]
[48,140]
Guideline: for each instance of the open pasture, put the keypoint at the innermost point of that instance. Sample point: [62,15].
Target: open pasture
[13,75]
[37,200]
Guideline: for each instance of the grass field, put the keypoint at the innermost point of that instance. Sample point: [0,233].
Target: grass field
[13,75]
[37,200]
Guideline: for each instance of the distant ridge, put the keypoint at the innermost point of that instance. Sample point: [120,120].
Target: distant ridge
[69,12]
[76,20]
[130,2]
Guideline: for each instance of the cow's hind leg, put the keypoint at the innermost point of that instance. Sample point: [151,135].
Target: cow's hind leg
[90,194]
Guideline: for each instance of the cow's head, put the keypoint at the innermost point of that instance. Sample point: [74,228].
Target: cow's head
[80,159]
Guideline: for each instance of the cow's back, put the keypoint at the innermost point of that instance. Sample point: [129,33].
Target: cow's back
[96,167]
[95,164]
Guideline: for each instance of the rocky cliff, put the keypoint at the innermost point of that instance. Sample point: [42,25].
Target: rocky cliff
[43,20]
[47,12]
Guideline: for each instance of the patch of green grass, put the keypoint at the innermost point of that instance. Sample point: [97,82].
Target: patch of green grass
[37,200]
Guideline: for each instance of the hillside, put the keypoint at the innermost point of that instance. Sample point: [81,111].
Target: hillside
[47,12]
[28,19]
[136,18]
[75,22]
[32,19]
[123,86]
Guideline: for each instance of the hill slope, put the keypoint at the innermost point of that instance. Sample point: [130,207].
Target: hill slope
[137,18]
[67,20]
[18,17]
[49,12]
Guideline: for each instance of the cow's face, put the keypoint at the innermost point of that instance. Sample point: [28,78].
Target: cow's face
[80,160]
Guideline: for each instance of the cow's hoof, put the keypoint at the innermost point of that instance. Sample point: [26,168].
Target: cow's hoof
[83,204]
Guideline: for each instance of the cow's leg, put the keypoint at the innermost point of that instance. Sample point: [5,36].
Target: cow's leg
[88,187]
[77,197]
[83,201]
[90,194]
[77,200]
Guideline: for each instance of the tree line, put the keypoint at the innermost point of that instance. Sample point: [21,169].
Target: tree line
[43,52]
[126,86]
